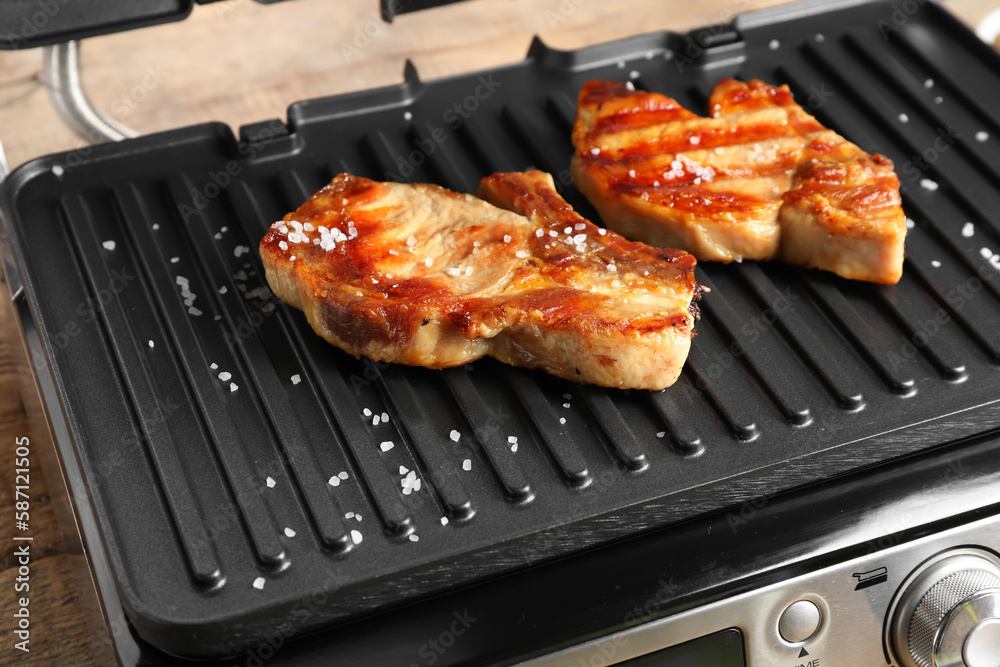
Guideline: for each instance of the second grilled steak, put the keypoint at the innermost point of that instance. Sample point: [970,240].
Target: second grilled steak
[758,179]
[420,275]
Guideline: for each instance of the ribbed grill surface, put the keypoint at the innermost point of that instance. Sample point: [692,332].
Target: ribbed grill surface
[229,444]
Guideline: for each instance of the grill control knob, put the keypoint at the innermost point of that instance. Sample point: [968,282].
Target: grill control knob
[949,615]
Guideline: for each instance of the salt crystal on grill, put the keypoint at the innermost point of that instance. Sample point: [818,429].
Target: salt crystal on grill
[562,420]
[349,515]
[289,532]
[407,115]
[223,289]
[342,474]
[334,481]
[661,434]
[385,417]
[375,420]
[403,470]
[910,224]
[156,226]
[634,74]
[929,83]
[174,260]
[986,253]
[467,464]
[224,376]
[903,118]
[214,366]
[928,184]
[356,536]
[938,100]
[218,235]
[296,379]
[258,583]
[240,249]
[454,435]
[982,136]
[109,245]
[968,230]
[774,44]
[151,343]
[233,387]
[566,405]
[414,537]
[194,311]
[444,521]
[935,263]
[367,412]
[512,439]
[386,446]
[568,397]
[513,447]
[270,482]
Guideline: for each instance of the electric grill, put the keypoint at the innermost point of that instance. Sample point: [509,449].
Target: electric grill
[824,471]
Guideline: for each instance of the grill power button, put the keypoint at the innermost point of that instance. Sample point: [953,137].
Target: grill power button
[949,615]
[799,621]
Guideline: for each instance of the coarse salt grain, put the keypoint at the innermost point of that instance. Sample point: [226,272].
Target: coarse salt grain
[386,446]
[194,311]
[910,224]
[506,238]
[407,115]
[467,464]
[968,229]
[634,74]
[562,420]
[258,583]
[903,118]
[936,264]
[223,289]
[429,261]
[334,481]
[224,376]
[356,536]
[695,140]
[982,136]
[512,439]
[444,521]
[156,226]
[296,378]
[454,435]
[928,184]
[241,249]
[566,405]
[513,447]
[342,474]
[151,343]
[595,151]
[521,254]
[233,387]
[109,245]
[376,419]
[403,470]
[414,537]
[270,482]
[986,253]
[929,83]
[661,434]
[385,417]
[289,532]
[774,44]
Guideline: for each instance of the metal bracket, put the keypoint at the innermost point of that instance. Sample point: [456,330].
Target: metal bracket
[61,75]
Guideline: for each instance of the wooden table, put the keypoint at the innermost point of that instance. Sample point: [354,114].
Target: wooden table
[240,62]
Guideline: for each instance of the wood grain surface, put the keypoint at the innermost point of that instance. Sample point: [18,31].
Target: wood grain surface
[240,62]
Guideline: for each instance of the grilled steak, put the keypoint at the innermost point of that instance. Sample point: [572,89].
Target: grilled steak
[420,275]
[759,179]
